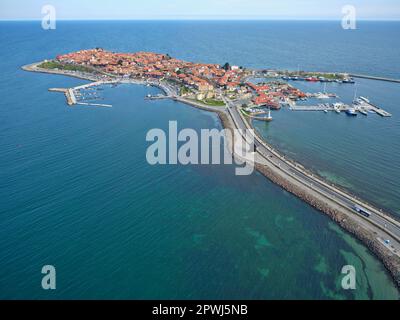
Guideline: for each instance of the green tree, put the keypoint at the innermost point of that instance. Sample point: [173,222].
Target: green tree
[226,66]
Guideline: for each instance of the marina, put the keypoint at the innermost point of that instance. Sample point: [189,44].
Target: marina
[77,96]
[362,107]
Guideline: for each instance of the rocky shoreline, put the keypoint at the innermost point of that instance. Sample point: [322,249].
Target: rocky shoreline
[391,262]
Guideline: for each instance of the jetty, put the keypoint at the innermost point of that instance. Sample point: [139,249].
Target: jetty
[157,97]
[69,94]
[362,76]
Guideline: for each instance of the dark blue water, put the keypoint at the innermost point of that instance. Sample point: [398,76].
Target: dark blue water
[77,192]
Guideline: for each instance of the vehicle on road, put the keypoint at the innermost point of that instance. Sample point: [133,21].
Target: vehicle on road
[362,211]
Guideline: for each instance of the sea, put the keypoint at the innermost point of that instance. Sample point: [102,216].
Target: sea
[77,193]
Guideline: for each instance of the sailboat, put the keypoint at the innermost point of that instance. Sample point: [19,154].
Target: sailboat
[323,95]
[355,100]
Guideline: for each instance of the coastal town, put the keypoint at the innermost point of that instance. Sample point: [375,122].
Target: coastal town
[210,84]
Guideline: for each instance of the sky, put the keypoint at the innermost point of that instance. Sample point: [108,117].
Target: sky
[200,9]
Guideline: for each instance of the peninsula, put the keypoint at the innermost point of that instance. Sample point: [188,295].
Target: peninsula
[228,91]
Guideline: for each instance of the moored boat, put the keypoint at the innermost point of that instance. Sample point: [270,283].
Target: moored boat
[351,112]
[348,80]
[365,99]
[363,111]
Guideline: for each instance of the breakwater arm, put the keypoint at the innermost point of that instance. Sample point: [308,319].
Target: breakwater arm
[362,76]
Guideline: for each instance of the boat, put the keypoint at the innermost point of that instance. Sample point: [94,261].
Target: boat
[321,95]
[323,79]
[351,112]
[363,111]
[356,101]
[348,80]
[337,106]
[365,99]
[284,102]
[326,111]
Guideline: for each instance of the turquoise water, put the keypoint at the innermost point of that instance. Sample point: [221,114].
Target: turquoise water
[77,192]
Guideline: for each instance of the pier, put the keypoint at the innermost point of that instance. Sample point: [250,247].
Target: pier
[94,104]
[72,93]
[95,84]
[157,97]
[69,94]
[371,107]
[312,108]
[362,76]
[362,107]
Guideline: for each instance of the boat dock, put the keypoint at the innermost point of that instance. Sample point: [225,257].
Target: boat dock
[157,97]
[363,106]
[71,94]
[95,84]
[371,107]
[94,104]
[312,108]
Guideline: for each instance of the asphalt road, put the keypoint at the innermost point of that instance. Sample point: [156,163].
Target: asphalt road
[347,201]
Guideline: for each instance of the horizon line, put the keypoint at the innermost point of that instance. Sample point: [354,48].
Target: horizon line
[206,19]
